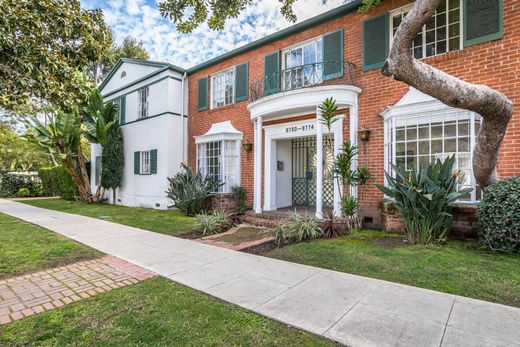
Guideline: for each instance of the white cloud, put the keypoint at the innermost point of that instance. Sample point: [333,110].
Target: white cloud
[141,19]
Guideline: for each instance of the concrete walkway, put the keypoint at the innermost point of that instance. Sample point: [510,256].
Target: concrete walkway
[350,309]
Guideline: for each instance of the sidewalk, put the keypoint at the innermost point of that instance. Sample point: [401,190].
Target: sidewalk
[353,310]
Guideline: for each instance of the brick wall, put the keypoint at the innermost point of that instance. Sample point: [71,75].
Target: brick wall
[496,64]
[222,202]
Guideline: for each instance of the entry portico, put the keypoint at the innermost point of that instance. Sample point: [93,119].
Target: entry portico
[287,105]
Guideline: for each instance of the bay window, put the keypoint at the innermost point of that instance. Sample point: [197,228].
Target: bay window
[223,88]
[418,139]
[220,160]
[442,33]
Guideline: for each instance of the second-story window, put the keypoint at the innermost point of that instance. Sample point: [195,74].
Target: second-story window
[302,65]
[441,34]
[223,88]
[143,95]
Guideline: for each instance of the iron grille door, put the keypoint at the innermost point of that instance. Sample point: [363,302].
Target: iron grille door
[304,171]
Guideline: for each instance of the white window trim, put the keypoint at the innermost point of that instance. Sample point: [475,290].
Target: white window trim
[212,87]
[226,188]
[300,45]
[143,168]
[142,107]
[423,108]
[407,8]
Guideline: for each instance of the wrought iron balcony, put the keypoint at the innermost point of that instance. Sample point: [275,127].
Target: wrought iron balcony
[304,76]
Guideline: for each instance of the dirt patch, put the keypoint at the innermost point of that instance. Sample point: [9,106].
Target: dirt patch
[390,242]
[244,234]
[190,235]
[261,249]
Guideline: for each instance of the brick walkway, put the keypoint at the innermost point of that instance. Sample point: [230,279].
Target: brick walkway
[45,290]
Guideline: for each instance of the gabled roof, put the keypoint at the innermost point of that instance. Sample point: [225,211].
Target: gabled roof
[139,62]
[306,24]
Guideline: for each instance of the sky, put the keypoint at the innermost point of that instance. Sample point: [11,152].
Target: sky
[141,19]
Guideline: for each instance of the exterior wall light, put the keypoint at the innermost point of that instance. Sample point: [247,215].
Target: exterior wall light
[247,146]
[364,134]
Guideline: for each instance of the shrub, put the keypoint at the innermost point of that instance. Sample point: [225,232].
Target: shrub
[23,193]
[214,223]
[56,181]
[304,227]
[189,191]
[499,216]
[240,195]
[12,183]
[349,208]
[280,233]
[333,226]
[423,197]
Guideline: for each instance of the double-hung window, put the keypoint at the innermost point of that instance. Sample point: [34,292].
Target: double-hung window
[220,160]
[223,88]
[302,64]
[441,34]
[143,95]
[145,163]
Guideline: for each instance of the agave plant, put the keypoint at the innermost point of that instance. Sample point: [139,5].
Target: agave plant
[424,196]
[190,190]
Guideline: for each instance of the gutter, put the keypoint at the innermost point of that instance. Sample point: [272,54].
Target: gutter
[183,156]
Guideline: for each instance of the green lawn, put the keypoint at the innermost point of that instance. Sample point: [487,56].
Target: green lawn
[164,222]
[457,268]
[26,248]
[156,312]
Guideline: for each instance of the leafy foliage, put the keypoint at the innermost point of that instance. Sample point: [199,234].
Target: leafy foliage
[304,227]
[423,197]
[214,223]
[56,181]
[328,110]
[499,216]
[44,44]
[189,191]
[23,193]
[281,234]
[98,118]
[240,195]
[12,183]
[349,209]
[197,12]
[17,154]
[113,159]
[333,226]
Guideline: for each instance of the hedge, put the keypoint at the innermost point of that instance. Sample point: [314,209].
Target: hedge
[12,183]
[57,182]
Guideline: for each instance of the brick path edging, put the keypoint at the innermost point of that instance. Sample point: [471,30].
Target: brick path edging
[26,295]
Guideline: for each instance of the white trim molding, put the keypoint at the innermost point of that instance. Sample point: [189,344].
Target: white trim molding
[220,131]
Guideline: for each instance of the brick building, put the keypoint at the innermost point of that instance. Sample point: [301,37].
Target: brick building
[253,118]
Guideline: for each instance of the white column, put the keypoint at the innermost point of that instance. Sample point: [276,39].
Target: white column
[269,175]
[338,145]
[258,166]
[319,165]
[353,125]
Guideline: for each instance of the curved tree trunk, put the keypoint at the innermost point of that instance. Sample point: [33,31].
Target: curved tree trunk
[494,107]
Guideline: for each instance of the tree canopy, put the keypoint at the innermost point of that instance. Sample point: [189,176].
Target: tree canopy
[217,12]
[17,154]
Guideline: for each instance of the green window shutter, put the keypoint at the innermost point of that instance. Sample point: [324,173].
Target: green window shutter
[333,55]
[272,73]
[122,112]
[153,161]
[375,42]
[241,82]
[137,163]
[98,170]
[483,21]
[203,94]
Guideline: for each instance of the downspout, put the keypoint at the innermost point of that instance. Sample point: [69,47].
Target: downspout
[182,120]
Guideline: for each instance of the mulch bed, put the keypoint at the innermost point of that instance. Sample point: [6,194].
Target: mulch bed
[190,235]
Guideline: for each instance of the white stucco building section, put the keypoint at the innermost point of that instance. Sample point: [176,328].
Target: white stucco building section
[163,130]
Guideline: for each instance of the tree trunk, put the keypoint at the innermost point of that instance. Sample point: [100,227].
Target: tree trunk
[70,167]
[113,196]
[494,107]
[84,176]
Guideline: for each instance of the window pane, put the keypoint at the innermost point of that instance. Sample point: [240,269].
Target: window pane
[450,129]
[411,134]
[400,148]
[400,135]
[424,147]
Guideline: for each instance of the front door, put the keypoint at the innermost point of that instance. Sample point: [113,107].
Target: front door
[304,171]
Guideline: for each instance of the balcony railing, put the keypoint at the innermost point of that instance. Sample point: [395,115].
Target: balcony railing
[304,76]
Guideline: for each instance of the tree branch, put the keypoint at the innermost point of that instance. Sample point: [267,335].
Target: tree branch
[494,107]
